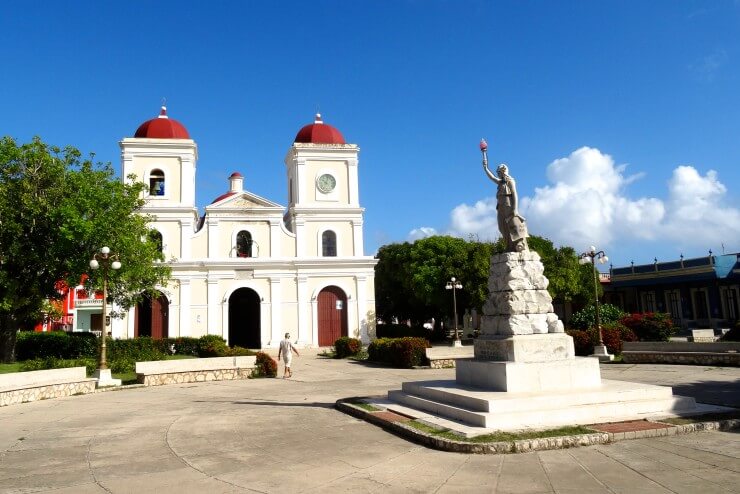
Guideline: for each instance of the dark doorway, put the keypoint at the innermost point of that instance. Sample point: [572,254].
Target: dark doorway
[332,308]
[244,319]
[152,317]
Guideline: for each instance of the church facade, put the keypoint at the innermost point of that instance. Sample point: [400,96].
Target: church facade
[249,269]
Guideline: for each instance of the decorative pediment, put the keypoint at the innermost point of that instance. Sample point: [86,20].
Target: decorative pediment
[244,200]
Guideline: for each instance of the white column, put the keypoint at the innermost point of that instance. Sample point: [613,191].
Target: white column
[354,192]
[300,237]
[359,248]
[276,311]
[130,321]
[185,328]
[304,316]
[274,241]
[300,179]
[213,239]
[361,289]
[213,303]
[187,182]
[186,235]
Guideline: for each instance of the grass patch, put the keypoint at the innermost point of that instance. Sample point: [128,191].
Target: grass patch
[365,406]
[8,368]
[125,377]
[179,357]
[499,436]
[360,356]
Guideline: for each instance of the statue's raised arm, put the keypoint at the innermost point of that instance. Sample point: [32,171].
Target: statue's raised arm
[511,224]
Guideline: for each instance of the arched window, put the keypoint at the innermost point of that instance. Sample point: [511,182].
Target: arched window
[244,244]
[156,237]
[156,183]
[329,244]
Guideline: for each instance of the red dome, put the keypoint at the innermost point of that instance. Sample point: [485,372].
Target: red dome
[162,127]
[319,133]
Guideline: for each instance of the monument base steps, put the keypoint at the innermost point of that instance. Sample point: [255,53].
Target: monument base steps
[611,401]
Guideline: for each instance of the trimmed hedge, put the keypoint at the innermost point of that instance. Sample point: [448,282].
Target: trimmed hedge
[346,347]
[59,349]
[399,352]
[55,344]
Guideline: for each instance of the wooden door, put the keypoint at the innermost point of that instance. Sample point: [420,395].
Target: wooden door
[160,317]
[332,315]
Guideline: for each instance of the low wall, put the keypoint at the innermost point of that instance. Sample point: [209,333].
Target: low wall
[668,352]
[162,372]
[24,387]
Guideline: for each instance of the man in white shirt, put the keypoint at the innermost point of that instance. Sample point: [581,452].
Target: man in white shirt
[286,349]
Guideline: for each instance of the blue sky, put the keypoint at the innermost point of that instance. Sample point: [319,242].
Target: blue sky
[619,120]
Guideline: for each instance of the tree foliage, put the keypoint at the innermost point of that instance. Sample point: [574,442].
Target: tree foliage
[56,209]
[410,278]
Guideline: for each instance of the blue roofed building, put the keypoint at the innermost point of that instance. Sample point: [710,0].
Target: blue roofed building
[698,293]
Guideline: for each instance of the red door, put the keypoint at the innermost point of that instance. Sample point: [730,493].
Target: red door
[332,308]
[160,309]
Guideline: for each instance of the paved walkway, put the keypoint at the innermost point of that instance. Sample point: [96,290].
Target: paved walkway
[275,435]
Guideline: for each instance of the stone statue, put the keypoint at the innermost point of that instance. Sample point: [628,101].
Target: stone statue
[511,224]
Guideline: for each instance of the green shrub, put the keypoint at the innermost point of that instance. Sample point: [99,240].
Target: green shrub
[122,355]
[346,347]
[650,326]
[56,344]
[212,345]
[586,317]
[183,345]
[90,364]
[238,351]
[583,341]
[399,352]
[265,366]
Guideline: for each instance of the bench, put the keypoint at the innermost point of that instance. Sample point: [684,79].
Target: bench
[24,387]
[702,336]
[159,372]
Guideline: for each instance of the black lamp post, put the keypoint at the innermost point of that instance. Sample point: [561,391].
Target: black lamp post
[454,285]
[107,261]
[591,256]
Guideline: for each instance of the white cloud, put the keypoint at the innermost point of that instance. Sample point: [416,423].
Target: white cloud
[586,202]
[421,232]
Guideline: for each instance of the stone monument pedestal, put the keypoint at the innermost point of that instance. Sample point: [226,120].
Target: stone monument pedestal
[525,373]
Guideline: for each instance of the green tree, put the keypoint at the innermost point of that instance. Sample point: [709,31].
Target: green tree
[410,277]
[57,209]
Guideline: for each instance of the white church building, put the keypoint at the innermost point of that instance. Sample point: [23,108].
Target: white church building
[250,269]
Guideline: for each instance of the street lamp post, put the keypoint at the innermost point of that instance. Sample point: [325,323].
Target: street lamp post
[107,261]
[591,256]
[454,285]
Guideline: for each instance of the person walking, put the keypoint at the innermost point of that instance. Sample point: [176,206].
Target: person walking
[286,349]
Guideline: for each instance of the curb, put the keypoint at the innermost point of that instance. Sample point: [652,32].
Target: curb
[525,445]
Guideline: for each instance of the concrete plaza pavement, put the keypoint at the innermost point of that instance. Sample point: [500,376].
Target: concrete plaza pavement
[276,435]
